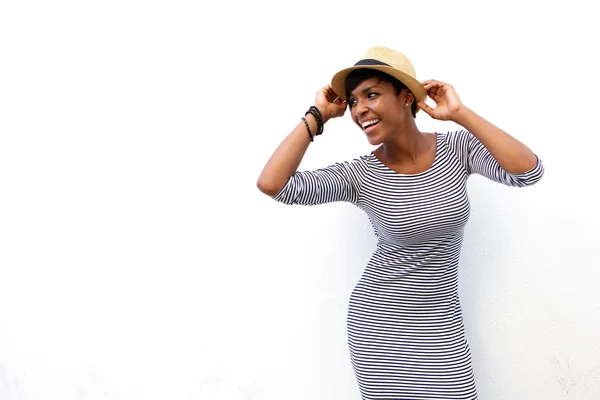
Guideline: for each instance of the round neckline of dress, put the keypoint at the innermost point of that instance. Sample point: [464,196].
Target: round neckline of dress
[435,159]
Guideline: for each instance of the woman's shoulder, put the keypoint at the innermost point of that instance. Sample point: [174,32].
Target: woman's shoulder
[360,163]
[455,135]
[361,160]
[456,140]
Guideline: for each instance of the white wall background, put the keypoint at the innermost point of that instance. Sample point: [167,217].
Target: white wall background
[139,261]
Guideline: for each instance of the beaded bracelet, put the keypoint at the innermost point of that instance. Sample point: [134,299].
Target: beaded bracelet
[314,111]
[319,124]
[317,111]
[308,128]
[317,115]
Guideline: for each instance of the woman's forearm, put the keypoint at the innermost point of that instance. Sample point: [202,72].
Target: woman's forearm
[511,154]
[286,158]
[288,155]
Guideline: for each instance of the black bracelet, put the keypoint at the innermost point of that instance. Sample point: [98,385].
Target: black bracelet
[314,111]
[319,122]
[308,128]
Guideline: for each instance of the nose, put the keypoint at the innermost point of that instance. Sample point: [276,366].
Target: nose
[360,108]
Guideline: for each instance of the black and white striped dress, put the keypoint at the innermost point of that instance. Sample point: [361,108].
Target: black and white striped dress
[405,327]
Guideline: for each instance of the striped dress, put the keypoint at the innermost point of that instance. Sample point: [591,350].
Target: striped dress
[405,328]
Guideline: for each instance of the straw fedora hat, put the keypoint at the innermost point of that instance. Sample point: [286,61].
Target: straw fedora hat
[386,60]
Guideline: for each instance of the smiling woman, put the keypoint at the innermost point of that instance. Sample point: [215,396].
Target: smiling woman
[405,329]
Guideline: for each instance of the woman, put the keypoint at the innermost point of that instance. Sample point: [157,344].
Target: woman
[405,328]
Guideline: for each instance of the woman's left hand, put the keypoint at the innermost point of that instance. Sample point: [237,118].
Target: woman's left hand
[447,104]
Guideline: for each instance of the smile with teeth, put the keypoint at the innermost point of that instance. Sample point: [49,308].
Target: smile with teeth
[369,123]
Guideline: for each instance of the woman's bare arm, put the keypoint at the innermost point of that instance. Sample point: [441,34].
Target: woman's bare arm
[288,155]
[512,155]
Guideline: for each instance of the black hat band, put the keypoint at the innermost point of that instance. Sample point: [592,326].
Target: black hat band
[370,61]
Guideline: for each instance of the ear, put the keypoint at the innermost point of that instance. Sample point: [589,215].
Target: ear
[408,97]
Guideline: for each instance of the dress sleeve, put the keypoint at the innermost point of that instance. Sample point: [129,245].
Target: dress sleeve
[476,159]
[337,182]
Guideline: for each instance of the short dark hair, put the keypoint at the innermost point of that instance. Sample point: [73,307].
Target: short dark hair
[358,76]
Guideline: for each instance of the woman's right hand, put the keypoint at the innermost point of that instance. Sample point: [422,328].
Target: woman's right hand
[330,105]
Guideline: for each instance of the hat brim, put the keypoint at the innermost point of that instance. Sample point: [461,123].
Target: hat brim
[338,82]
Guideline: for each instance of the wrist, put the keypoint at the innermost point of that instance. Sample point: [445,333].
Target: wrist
[462,115]
[323,110]
[318,116]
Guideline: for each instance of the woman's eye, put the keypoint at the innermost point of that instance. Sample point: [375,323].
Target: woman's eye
[351,102]
[371,95]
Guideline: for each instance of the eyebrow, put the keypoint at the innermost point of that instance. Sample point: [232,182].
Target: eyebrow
[366,89]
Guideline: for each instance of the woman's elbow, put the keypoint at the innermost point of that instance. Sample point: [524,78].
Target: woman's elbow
[266,187]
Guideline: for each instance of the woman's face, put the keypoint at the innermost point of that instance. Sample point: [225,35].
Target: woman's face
[378,110]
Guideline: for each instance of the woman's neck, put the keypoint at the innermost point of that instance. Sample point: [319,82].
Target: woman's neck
[407,146]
